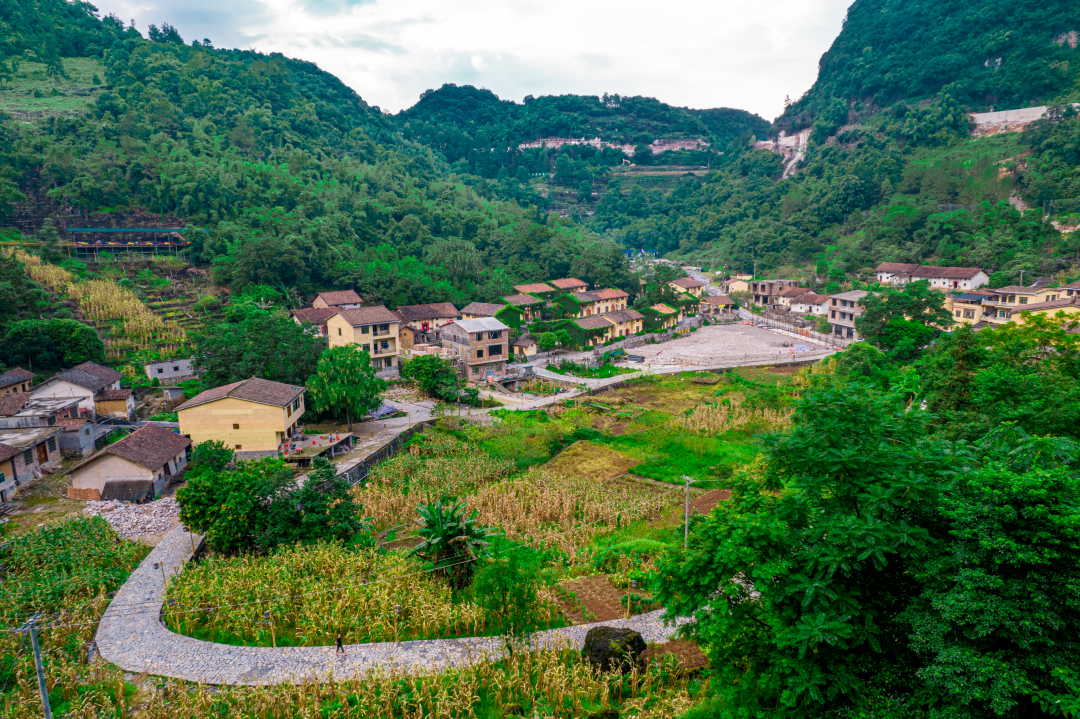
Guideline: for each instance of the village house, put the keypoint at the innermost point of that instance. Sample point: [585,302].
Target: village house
[169,371]
[596,322]
[598,302]
[24,410]
[252,415]
[316,317]
[844,308]
[430,317]
[688,285]
[537,289]
[529,306]
[999,303]
[339,300]
[38,447]
[809,303]
[735,284]
[717,304]
[569,284]
[627,322]
[1072,289]
[967,308]
[374,329]
[482,345]
[895,273]
[667,316]
[524,349]
[473,310]
[16,380]
[952,278]
[784,297]
[134,468]
[765,291]
[84,381]
[1066,305]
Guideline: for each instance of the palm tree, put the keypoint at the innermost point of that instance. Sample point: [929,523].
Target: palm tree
[452,542]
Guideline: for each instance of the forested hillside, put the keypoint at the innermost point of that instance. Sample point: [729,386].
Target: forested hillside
[297,182]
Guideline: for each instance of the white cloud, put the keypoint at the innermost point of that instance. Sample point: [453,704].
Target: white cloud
[683,52]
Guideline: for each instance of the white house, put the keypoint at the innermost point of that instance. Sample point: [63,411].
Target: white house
[953,278]
[810,303]
[170,370]
[895,273]
[84,381]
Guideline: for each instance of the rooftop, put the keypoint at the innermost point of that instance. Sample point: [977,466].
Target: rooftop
[260,391]
[90,375]
[904,268]
[1017,290]
[433,311]
[480,324]
[35,406]
[7,452]
[626,315]
[594,322]
[663,309]
[568,283]
[368,316]
[107,395]
[483,309]
[12,403]
[25,437]
[533,288]
[717,300]
[952,273]
[1036,307]
[151,447]
[852,296]
[314,315]
[14,376]
[522,300]
[609,294]
[340,297]
[688,283]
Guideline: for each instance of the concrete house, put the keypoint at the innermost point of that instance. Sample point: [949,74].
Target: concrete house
[687,285]
[765,291]
[428,318]
[482,344]
[84,381]
[38,447]
[374,329]
[25,410]
[16,380]
[316,317]
[135,468]
[524,349]
[339,300]
[1067,305]
[170,371]
[253,415]
[1000,303]
[844,308]
[953,278]
[474,310]
[569,284]
[597,302]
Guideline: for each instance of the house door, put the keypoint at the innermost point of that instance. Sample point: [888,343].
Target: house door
[42,453]
[490,371]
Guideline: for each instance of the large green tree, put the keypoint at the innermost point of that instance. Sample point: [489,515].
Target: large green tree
[51,344]
[345,383]
[903,320]
[266,344]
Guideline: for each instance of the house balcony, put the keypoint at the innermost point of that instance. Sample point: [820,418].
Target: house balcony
[996,303]
[384,333]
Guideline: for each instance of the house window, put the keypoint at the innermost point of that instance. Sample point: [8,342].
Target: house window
[236,426]
[480,352]
[476,370]
[367,348]
[175,369]
[288,413]
[1023,300]
[365,329]
[161,370]
[239,446]
[52,444]
[28,457]
[494,350]
[958,313]
[339,331]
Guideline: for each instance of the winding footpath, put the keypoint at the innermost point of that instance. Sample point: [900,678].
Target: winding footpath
[131,635]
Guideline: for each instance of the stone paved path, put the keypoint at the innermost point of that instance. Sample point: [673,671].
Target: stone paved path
[132,637]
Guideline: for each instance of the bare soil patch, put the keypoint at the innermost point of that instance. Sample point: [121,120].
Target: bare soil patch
[603,600]
[689,654]
[585,459]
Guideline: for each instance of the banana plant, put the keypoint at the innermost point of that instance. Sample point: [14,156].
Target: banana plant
[452,542]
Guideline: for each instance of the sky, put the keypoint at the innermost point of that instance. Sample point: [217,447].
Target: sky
[688,53]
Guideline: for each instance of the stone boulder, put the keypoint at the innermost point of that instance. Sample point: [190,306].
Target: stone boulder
[613,648]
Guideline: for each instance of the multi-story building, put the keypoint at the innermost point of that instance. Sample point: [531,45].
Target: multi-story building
[374,329]
[765,291]
[998,304]
[844,308]
[569,284]
[597,302]
[252,415]
[1066,305]
[529,306]
[482,344]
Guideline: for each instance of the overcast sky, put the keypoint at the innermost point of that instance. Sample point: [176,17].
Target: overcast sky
[684,52]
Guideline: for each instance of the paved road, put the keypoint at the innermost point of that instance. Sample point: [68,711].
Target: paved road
[132,636]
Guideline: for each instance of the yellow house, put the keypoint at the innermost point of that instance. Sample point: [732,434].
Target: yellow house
[7,472]
[1067,305]
[375,329]
[688,285]
[668,316]
[253,415]
[16,380]
[627,322]
[737,285]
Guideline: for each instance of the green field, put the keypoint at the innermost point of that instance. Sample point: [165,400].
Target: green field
[32,92]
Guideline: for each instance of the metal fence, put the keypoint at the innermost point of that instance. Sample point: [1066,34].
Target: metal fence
[786,323]
[783,355]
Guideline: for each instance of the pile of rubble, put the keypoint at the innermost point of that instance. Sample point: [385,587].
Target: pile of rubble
[404,393]
[134,520]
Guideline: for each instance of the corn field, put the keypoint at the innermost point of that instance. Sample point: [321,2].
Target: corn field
[551,681]
[724,416]
[102,300]
[52,276]
[374,585]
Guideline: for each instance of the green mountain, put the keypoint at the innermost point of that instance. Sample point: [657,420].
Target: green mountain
[480,133]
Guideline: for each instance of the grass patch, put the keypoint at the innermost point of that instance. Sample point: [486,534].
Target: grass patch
[32,91]
[571,369]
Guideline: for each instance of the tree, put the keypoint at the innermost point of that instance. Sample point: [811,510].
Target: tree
[563,337]
[452,543]
[546,341]
[345,383]
[51,344]
[799,582]
[508,582]
[270,346]
[322,509]
[437,377]
[901,321]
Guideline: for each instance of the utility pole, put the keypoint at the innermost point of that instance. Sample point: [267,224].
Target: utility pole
[31,626]
[1021,278]
[686,526]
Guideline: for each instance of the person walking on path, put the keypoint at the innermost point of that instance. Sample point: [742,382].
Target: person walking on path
[340,649]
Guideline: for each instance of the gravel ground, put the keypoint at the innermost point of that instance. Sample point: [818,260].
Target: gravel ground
[725,342]
[134,520]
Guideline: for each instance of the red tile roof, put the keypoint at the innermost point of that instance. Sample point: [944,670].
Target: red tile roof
[663,309]
[438,310]
[687,283]
[593,323]
[107,395]
[340,297]
[368,316]
[261,391]
[533,288]
[609,294]
[151,446]
[12,403]
[902,268]
[7,452]
[481,309]
[522,300]
[569,283]
[952,273]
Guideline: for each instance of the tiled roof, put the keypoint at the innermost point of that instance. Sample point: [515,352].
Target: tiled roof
[586,296]
[627,315]
[482,309]
[717,300]
[687,283]
[792,292]
[368,316]
[12,403]
[126,490]
[314,315]
[14,376]
[568,283]
[107,395]
[952,273]
[593,323]
[1051,305]
[609,294]
[522,300]
[811,298]
[523,342]
[340,297]
[261,391]
[533,288]
[664,309]
[7,452]
[1017,290]
[90,375]
[437,310]
[72,423]
[903,268]
[1072,286]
